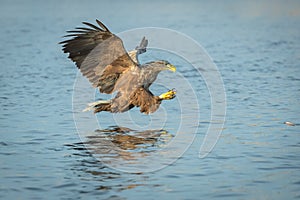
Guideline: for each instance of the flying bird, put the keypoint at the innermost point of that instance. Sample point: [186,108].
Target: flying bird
[101,57]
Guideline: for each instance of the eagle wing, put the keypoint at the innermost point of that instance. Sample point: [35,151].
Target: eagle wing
[142,48]
[99,54]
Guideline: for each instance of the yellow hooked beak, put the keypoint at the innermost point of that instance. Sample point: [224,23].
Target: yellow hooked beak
[171,67]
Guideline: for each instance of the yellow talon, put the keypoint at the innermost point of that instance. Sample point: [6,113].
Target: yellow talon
[168,95]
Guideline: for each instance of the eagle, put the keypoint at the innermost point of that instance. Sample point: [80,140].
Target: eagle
[101,57]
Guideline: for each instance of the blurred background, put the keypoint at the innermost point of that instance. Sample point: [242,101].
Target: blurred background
[255,45]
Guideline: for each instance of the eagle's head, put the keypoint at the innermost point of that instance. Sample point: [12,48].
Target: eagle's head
[161,65]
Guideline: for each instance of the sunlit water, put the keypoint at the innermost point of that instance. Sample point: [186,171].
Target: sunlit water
[256,48]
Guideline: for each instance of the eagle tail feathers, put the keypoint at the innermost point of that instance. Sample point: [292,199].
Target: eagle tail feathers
[98,106]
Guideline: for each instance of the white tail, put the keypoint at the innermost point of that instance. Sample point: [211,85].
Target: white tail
[92,105]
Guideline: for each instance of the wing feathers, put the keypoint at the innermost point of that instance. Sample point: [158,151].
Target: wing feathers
[102,25]
[143,45]
[84,29]
[92,26]
[96,50]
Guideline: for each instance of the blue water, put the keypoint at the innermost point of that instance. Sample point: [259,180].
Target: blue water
[256,48]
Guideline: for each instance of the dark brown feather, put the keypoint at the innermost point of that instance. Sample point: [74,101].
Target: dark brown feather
[141,97]
[99,54]
[144,99]
[102,107]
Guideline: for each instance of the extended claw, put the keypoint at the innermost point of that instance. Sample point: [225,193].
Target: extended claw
[171,94]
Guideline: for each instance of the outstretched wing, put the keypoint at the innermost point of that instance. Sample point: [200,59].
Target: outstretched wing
[142,48]
[99,54]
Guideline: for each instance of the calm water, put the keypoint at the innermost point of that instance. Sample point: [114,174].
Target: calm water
[256,48]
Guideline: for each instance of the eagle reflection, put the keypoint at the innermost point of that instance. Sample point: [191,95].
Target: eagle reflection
[122,142]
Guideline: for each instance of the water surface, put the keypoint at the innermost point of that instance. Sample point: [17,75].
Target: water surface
[256,48]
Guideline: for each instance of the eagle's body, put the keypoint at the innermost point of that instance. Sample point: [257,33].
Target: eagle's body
[102,58]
